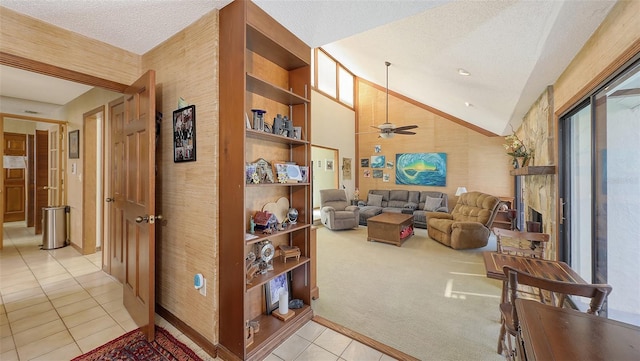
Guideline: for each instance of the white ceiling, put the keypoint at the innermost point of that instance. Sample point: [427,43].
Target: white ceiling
[513,49]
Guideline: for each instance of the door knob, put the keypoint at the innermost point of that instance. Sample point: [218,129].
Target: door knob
[109,200]
[142,219]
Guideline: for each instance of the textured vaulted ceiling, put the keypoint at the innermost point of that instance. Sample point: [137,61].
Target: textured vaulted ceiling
[513,49]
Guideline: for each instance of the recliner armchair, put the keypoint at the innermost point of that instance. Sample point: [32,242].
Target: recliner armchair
[468,225]
[336,212]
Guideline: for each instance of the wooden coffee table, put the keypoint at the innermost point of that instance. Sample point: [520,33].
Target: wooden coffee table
[386,227]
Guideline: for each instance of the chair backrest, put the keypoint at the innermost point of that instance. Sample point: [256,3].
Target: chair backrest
[336,198]
[596,292]
[476,207]
[526,244]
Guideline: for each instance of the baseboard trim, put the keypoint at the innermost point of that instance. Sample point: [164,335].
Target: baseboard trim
[196,337]
[387,350]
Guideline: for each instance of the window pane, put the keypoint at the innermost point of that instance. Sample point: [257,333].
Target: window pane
[346,86]
[619,194]
[580,192]
[326,74]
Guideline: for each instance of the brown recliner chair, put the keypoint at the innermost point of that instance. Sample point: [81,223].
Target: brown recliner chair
[468,225]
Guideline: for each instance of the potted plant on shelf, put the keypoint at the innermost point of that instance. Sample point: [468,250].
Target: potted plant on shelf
[518,151]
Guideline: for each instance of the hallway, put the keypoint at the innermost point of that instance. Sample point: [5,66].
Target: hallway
[58,304]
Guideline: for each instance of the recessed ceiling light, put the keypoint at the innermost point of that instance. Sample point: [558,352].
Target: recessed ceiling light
[463,72]
[468,104]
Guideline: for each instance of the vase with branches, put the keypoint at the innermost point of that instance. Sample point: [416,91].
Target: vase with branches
[519,152]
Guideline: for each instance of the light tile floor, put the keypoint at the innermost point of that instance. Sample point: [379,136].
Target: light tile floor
[58,304]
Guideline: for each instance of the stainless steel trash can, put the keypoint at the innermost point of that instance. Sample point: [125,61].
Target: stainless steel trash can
[54,227]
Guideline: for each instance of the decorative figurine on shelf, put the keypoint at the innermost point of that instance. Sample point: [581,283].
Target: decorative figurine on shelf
[292,216]
[252,224]
[258,119]
[288,128]
[265,252]
[278,124]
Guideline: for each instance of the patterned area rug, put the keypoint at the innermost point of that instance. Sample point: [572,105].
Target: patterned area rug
[134,346]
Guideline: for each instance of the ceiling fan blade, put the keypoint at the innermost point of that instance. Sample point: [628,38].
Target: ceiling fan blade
[373,126]
[406,127]
[404,132]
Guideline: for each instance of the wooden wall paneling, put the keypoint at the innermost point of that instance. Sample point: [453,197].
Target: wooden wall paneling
[615,42]
[33,39]
[474,160]
[187,193]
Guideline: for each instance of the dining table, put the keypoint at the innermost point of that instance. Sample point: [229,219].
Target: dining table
[553,333]
[553,270]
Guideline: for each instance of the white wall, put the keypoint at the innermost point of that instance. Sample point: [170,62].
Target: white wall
[333,126]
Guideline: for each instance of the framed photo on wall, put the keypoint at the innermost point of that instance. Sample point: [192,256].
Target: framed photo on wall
[74,144]
[184,134]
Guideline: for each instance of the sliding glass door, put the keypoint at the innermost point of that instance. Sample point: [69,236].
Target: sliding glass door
[600,190]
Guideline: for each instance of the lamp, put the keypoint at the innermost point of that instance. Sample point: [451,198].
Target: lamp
[386,135]
[460,191]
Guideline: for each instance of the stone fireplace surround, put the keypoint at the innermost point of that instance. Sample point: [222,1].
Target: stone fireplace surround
[539,191]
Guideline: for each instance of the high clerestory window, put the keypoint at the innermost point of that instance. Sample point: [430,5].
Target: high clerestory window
[332,79]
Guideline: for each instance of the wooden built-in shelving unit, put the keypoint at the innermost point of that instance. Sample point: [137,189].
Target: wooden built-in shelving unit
[262,66]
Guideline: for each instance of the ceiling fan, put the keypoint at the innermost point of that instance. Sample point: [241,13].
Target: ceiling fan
[387,130]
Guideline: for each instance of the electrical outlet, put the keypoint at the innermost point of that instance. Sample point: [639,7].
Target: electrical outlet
[203,289]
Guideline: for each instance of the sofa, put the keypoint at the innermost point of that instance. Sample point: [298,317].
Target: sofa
[336,212]
[418,203]
[468,225]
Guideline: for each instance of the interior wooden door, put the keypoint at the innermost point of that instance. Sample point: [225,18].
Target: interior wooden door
[90,187]
[15,147]
[115,193]
[31,181]
[2,194]
[55,168]
[139,202]
[42,176]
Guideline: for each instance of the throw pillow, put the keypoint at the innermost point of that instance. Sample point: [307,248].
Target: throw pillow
[431,204]
[374,200]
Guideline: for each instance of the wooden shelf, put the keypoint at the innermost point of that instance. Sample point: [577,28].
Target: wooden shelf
[291,228]
[271,326]
[253,45]
[252,185]
[273,92]
[258,134]
[262,44]
[278,268]
[534,170]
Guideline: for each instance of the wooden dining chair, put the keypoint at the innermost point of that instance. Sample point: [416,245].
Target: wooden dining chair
[510,328]
[526,244]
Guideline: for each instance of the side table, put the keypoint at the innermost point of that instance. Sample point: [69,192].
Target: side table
[354,202]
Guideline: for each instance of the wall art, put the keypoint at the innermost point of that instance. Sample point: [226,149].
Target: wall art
[272,291]
[74,144]
[377,161]
[425,169]
[184,134]
[346,168]
[328,165]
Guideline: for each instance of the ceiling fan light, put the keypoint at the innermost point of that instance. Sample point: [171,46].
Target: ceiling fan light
[386,135]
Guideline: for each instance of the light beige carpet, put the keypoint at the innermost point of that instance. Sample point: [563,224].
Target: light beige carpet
[425,299]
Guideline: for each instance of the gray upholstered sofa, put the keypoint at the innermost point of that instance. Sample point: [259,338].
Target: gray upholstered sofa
[403,201]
